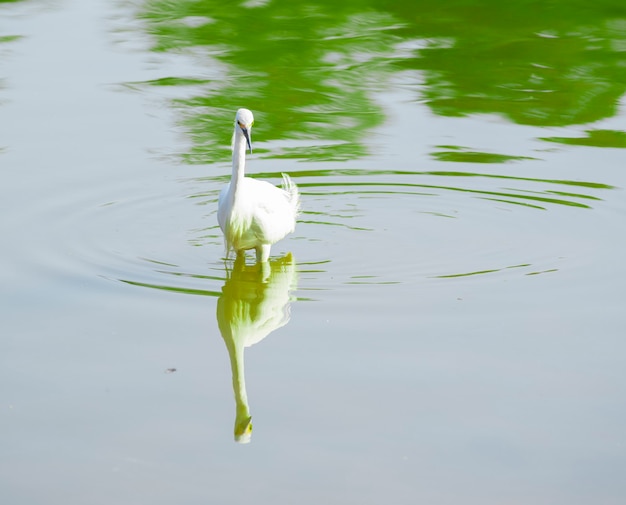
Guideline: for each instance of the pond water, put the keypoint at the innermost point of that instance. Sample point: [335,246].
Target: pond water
[446,325]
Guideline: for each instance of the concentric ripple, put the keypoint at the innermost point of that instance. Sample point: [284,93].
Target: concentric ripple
[359,226]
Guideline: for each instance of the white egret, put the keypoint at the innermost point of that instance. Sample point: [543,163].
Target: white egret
[254,214]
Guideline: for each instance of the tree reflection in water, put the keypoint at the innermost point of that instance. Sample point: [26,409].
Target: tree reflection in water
[312,70]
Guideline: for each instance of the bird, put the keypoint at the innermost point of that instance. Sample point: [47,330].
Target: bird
[254,214]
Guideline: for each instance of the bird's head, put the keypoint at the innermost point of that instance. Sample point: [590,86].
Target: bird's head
[244,121]
[243,430]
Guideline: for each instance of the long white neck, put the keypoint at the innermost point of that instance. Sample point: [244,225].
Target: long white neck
[239,158]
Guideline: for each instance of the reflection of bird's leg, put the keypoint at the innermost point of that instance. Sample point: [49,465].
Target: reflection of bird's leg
[240,257]
[264,272]
[240,261]
[263,253]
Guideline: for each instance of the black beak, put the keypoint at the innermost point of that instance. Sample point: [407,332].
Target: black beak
[247,135]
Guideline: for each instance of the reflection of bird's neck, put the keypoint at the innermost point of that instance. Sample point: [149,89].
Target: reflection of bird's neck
[239,380]
[243,420]
[239,158]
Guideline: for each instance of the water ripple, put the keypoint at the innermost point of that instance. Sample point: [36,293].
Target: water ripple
[359,227]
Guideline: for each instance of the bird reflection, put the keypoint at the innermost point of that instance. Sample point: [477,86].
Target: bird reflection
[254,302]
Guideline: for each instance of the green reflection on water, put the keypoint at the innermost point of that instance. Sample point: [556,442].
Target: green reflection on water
[464,156]
[309,70]
[515,196]
[305,69]
[481,272]
[496,270]
[9,38]
[534,62]
[171,289]
[544,199]
[594,138]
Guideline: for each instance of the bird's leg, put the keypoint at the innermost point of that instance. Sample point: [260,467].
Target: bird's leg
[239,260]
[263,252]
[240,256]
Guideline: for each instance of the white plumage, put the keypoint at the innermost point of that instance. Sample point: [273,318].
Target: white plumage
[254,214]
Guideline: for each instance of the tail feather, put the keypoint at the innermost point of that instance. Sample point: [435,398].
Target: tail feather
[293,194]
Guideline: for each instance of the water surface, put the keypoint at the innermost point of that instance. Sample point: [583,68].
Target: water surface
[444,326]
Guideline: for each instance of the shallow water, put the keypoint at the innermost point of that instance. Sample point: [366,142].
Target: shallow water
[446,324]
